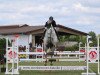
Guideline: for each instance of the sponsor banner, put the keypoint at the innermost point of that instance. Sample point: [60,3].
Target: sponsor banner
[52,67]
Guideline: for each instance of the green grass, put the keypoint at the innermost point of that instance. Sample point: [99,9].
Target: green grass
[93,68]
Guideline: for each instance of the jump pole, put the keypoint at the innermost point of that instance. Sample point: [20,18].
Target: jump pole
[99,55]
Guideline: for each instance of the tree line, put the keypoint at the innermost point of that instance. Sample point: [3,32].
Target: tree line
[79,39]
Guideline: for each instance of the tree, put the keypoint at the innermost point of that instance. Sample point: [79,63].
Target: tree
[2,52]
[83,40]
[2,46]
[93,38]
[69,38]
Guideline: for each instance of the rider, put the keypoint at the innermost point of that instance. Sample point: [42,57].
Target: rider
[50,22]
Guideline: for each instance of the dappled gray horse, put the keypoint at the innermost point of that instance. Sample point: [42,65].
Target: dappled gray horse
[50,39]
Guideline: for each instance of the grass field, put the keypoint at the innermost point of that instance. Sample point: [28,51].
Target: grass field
[93,68]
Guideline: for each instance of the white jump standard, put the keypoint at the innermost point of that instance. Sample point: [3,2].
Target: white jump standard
[92,56]
[12,57]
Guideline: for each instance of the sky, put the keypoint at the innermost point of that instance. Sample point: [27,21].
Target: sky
[83,15]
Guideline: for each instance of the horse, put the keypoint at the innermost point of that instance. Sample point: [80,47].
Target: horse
[50,39]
